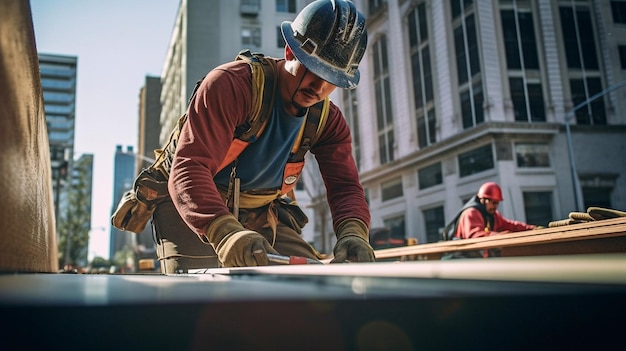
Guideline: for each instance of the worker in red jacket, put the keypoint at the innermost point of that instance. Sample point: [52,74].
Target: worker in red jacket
[479,217]
[483,219]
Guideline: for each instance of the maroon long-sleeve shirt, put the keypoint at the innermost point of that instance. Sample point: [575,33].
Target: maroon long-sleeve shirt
[223,101]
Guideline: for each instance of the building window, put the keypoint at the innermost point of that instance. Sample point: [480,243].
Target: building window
[578,37]
[597,196]
[531,155]
[622,56]
[582,89]
[460,6]
[57,153]
[538,207]
[520,41]
[618,8]
[250,7]
[251,36]
[435,221]
[288,6]
[397,227]
[280,40]
[430,176]
[66,110]
[582,61]
[597,188]
[375,6]
[467,62]
[422,76]
[382,90]
[58,83]
[392,189]
[51,97]
[522,59]
[351,114]
[475,161]
[527,98]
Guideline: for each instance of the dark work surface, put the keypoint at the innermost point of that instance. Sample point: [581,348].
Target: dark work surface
[352,307]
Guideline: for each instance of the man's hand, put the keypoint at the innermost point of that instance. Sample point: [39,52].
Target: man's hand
[352,244]
[236,246]
[244,248]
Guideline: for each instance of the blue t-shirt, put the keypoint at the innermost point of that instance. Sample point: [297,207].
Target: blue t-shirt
[261,165]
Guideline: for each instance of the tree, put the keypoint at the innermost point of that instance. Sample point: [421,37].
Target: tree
[100,262]
[99,265]
[125,259]
[75,224]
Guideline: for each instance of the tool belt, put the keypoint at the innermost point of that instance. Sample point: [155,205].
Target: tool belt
[254,204]
[138,204]
[282,210]
[249,199]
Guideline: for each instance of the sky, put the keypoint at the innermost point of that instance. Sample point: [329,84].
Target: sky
[118,43]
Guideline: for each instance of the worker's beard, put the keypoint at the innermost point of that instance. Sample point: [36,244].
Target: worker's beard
[300,110]
[306,93]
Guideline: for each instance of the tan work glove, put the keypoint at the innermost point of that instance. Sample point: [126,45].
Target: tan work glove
[237,246]
[352,243]
[600,213]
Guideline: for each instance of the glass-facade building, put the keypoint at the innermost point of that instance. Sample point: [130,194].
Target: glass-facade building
[123,178]
[58,81]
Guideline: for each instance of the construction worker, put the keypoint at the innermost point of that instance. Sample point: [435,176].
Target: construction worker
[479,217]
[324,45]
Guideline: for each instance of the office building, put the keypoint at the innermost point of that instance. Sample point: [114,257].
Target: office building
[209,33]
[58,81]
[149,130]
[455,93]
[149,127]
[122,242]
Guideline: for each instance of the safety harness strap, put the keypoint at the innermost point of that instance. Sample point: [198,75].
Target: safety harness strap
[265,84]
[264,89]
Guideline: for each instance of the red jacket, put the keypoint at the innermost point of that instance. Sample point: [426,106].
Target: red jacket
[223,102]
[472,225]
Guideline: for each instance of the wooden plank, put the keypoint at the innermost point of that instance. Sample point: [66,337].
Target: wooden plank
[588,237]
[598,245]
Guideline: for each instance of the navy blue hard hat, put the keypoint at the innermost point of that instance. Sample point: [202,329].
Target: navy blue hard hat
[329,38]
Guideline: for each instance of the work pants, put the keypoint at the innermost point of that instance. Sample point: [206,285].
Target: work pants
[179,249]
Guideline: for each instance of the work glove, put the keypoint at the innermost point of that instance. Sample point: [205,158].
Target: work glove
[352,243]
[581,216]
[237,246]
[599,213]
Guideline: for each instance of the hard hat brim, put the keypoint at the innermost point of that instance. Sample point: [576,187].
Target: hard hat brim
[313,63]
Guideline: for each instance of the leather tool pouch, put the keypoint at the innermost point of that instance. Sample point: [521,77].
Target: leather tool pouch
[137,205]
[291,214]
[149,190]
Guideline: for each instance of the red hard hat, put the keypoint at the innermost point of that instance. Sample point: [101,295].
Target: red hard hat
[491,191]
